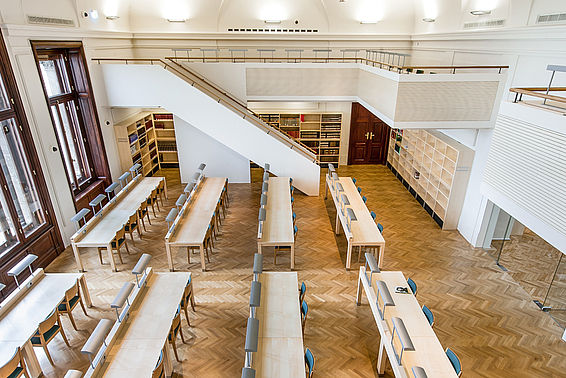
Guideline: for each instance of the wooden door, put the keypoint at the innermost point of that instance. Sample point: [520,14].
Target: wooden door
[368,137]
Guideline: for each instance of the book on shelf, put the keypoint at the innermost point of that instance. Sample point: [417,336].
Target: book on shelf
[168,117]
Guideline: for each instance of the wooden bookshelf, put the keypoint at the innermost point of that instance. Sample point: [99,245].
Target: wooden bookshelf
[318,131]
[435,169]
[149,139]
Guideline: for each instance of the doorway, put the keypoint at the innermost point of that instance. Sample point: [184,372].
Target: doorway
[368,137]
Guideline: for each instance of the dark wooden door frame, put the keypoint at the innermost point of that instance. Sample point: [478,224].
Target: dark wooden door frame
[369,139]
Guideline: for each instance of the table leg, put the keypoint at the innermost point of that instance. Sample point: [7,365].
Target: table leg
[326,190]
[259,248]
[169,257]
[292,256]
[381,251]
[32,363]
[359,291]
[337,222]
[165,188]
[111,258]
[381,358]
[78,257]
[202,263]
[349,255]
[167,363]
[86,293]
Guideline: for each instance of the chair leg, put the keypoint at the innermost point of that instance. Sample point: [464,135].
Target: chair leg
[189,254]
[47,354]
[100,257]
[63,334]
[187,314]
[132,237]
[156,203]
[207,257]
[174,345]
[139,231]
[72,320]
[148,218]
[192,297]
[119,255]
[126,245]
[143,224]
[181,333]
[153,208]
[82,305]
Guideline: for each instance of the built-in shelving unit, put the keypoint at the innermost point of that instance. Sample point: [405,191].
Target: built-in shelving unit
[318,131]
[148,139]
[435,169]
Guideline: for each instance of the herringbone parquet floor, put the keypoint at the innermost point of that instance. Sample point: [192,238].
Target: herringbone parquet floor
[481,313]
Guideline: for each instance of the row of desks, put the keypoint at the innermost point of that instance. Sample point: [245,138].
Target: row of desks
[26,307]
[278,224]
[102,228]
[428,353]
[137,342]
[280,344]
[363,232]
[191,225]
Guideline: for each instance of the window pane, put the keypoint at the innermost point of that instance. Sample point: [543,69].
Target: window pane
[4,100]
[8,236]
[63,143]
[19,178]
[54,77]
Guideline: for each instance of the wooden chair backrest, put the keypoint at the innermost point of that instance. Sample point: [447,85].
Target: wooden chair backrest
[154,194]
[133,219]
[120,234]
[161,185]
[143,205]
[10,366]
[176,322]
[48,323]
[72,292]
[159,370]
[187,293]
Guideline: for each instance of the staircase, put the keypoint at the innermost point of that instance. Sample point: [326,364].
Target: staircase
[164,83]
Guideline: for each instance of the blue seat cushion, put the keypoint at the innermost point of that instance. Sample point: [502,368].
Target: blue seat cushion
[174,332]
[120,241]
[16,372]
[133,225]
[63,306]
[47,335]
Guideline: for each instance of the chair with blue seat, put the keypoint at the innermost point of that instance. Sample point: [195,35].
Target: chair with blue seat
[294,218]
[429,315]
[188,297]
[47,331]
[292,201]
[133,225]
[309,361]
[16,367]
[455,361]
[116,243]
[292,189]
[302,292]
[159,371]
[70,301]
[365,199]
[174,331]
[354,180]
[373,215]
[142,213]
[380,227]
[360,189]
[304,312]
[284,248]
[412,284]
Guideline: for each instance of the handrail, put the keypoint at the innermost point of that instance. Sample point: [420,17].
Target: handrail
[533,92]
[221,96]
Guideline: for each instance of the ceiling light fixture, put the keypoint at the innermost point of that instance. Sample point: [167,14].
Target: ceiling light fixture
[428,19]
[272,21]
[368,22]
[112,18]
[94,14]
[180,20]
[480,12]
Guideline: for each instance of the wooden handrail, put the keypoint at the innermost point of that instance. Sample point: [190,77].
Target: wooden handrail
[534,92]
[219,95]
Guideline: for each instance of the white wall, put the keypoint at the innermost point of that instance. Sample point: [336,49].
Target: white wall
[195,147]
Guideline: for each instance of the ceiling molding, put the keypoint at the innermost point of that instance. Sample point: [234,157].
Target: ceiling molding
[521,33]
[42,32]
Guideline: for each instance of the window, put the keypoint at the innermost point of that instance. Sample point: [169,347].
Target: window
[23,196]
[56,74]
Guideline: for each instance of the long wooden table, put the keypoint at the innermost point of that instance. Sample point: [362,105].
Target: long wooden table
[101,229]
[136,343]
[278,224]
[190,227]
[364,231]
[280,345]
[26,307]
[428,353]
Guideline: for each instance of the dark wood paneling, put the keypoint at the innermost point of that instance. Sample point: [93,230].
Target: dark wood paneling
[368,137]
[88,195]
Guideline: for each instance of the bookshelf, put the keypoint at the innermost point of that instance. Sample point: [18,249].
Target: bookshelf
[149,139]
[435,169]
[318,131]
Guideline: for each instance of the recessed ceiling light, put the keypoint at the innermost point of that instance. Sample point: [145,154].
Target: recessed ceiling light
[367,22]
[272,21]
[112,18]
[428,19]
[177,19]
[93,14]
[480,12]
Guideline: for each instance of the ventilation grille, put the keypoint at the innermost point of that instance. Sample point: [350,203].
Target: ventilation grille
[262,30]
[549,18]
[50,21]
[484,24]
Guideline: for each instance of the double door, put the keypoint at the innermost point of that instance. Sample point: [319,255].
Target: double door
[368,137]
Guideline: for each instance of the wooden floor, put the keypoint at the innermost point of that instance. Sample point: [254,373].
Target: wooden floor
[481,312]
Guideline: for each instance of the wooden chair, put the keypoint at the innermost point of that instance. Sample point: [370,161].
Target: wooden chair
[208,242]
[373,215]
[309,361]
[188,296]
[226,196]
[304,312]
[218,211]
[47,331]
[133,225]
[143,212]
[429,315]
[413,285]
[380,227]
[302,292]
[160,191]
[174,331]
[159,371]
[152,201]
[294,218]
[117,243]
[295,230]
[360,189]
[365,199]
[455,361]
[71,300]
[16,367]
[214,226]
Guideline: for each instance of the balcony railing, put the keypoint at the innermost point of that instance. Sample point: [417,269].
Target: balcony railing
[550,101]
